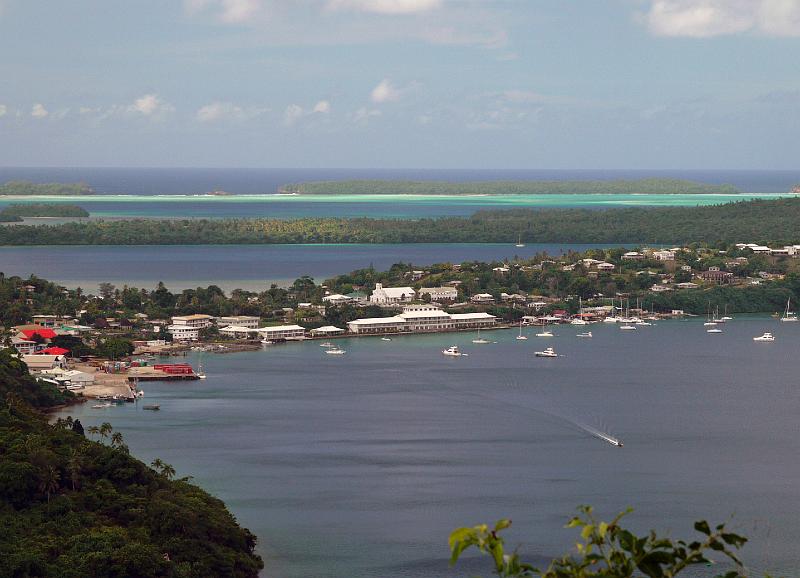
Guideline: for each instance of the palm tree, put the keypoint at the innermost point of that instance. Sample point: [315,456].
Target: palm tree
[116,439]
[168,471]
[49,478]
[105,429]
[157,464]
[93,430]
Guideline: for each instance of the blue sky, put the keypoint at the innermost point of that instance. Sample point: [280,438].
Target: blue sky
[401,83]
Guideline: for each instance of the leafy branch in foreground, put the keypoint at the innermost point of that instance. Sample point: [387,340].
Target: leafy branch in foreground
[606,550]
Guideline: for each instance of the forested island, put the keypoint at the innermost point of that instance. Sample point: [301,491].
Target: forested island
[773,221]
[28,189]
[653,186]
[16,212]
[73,507]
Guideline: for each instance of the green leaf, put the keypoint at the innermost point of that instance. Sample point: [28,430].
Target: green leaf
[733,539]
[502,525]
[702,526]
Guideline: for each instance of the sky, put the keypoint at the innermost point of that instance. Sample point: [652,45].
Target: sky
[625,84]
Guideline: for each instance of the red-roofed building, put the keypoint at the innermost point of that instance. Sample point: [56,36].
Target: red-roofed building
[54,351]
[43,333]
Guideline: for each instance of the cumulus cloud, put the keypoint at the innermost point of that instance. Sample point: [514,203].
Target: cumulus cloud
[385,6]
[322,107]
[39,111]
[228,11]
[708,18]
[3,109]
[149,105]
[363,115]
[384,92]
[219,111]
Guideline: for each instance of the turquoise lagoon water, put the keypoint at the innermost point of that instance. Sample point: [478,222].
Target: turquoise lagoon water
[361,464]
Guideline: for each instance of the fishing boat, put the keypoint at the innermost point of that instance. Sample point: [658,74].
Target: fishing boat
[453,352]
[545,333]
[549,352]
[335,351]
[152,407]
[789,315]
[587,334]
[521,337]
[519,244]
[766,337]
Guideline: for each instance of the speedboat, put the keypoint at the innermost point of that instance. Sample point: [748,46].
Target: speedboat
[765,337]
[326,344]
[549,352]
[453,351]
[386,338]
[587,334]
[545,333]
[709,323]
[627,327]
[335,351]
[714,330]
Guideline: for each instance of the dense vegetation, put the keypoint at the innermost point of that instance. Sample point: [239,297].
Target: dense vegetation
[608,550]
[15,212]
[72,507]
[381,187]
[26,188]
[749,221]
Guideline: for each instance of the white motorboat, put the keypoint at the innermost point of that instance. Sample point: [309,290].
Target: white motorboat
[386,338]
[766,337]
[627,327]
[326,344]
[549,352]
[714,330]
[545,333]
[644,323]
[789,315]
[267,342]
[453,352]
[101,405]
[335,351]
[587,334]
[579,321]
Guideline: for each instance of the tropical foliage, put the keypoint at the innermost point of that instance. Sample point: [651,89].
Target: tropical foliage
[27,188]
[17,211]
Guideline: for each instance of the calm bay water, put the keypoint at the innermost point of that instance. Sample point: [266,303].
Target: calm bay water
[361,465]
[251,267]
[181,192]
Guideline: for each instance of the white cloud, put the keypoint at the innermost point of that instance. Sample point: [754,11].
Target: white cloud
[363,115]
[385,6]
[148,105]
[3,109]
[39,111]
[384,92]
[708,18]
[294,112]
[228,11]
[218,111]
[322,107]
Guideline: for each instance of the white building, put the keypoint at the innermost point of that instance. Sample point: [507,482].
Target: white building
[336,299]
[326,330]
[664,255]
[482,298]
[238,331]
[248,321]
[440,293]
[197,321]
[389,295]
[184,333]
[43,362]
[422,319]
[283,332]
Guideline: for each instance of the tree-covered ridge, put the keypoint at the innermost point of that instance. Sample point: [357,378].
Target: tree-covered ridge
[773,221]
[16,211]
[650,186]
[27,188]
[71,507]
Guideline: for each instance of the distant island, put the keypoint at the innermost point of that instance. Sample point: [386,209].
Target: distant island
[29,189]
[744,221]
[655,186]
[16,212]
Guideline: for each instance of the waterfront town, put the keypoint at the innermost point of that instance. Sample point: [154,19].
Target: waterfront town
[104,345]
